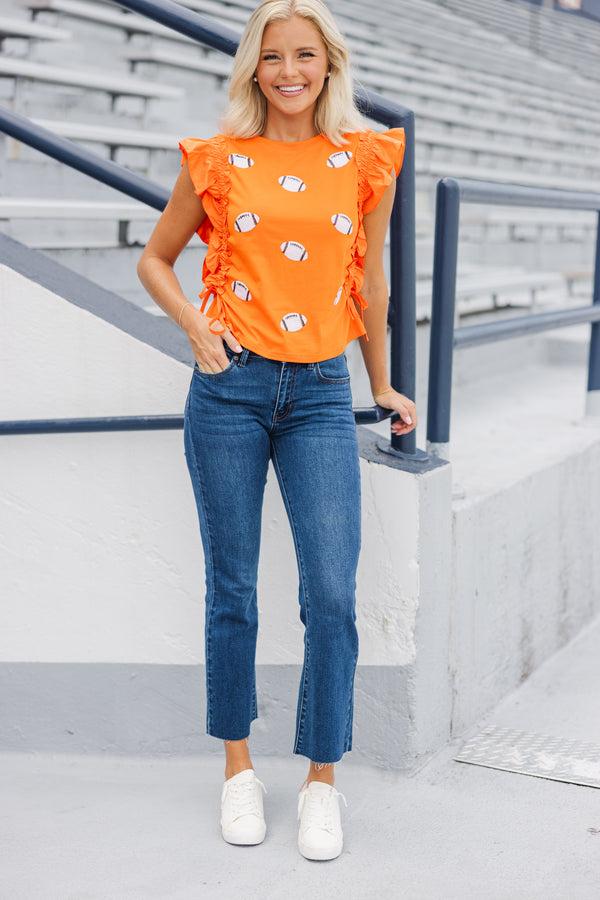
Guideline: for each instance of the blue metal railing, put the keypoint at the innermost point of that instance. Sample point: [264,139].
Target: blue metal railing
[367,415]
[444,338]
[402,227]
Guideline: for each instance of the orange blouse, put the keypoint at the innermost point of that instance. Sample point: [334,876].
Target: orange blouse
[286,242]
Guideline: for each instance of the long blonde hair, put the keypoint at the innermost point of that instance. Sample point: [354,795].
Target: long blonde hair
[335,110]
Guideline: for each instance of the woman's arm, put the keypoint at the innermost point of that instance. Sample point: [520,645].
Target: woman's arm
[183,215]
[375,292]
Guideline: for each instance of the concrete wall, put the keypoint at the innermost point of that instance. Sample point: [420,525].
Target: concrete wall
[526,571]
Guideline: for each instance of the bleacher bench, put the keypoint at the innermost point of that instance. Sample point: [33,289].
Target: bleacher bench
[20,28]
[130,23]
[220,67]
[482,291]
[121,212]
[115,85]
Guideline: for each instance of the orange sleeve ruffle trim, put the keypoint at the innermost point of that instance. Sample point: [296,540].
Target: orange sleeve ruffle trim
[377,154]
[209,171]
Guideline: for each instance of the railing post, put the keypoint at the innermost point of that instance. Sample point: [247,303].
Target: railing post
[593,395]
[403,266]
[403,294]
[442,317]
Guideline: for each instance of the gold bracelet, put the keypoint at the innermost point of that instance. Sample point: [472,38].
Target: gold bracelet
[181,313]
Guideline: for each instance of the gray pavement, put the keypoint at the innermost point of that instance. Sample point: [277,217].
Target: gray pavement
[106,828]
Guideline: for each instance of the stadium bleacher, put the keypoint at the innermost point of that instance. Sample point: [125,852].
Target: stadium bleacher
[549,32]
[501,91]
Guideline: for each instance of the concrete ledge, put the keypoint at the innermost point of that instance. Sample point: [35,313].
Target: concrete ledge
[592,406]
[154,710]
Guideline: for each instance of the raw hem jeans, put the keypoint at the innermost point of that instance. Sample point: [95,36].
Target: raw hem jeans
[299,416]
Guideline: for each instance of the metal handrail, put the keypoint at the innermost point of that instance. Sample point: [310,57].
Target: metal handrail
[444,338]
[402,227]
[367,415]
[92,423]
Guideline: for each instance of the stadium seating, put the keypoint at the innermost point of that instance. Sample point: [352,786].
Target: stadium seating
[564,40]
[19,28]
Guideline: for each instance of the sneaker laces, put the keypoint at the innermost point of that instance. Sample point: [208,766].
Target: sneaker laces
[316,810]
[243,798]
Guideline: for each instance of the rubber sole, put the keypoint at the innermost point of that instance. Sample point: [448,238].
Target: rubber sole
[318,853]
[246,842]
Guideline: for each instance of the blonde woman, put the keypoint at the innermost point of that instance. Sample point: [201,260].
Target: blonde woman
[293,199]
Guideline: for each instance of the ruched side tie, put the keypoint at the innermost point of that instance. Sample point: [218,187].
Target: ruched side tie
[220,319]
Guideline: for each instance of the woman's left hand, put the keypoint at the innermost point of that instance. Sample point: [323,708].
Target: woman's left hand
[391,399]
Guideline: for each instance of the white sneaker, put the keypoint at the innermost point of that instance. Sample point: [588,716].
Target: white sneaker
[320,835]
[242,815]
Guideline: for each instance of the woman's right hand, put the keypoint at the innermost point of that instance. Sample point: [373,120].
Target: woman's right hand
[207,346]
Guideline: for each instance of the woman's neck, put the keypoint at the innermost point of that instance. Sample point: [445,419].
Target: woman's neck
[290,130]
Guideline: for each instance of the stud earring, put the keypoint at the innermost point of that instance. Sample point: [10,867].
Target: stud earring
[255,79]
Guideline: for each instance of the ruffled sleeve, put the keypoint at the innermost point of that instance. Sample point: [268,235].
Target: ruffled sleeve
[377,154]
[207,164]
[199,156]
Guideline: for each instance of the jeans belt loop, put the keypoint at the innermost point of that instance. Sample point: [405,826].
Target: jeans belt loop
[243,357]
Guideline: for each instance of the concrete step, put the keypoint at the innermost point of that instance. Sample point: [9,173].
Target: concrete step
[97,80]
[11,28]
[49,179]
[101,16]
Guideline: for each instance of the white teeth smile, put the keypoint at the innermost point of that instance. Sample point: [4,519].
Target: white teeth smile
[291,89]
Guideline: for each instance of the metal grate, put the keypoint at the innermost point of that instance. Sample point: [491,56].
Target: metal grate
[541,755]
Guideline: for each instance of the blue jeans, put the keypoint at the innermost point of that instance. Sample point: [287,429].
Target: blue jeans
[299,415]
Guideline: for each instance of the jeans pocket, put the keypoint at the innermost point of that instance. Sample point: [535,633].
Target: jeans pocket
[333,371]
[232,357]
